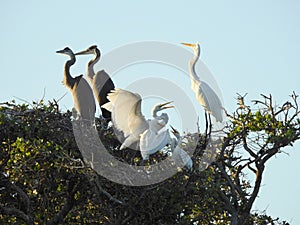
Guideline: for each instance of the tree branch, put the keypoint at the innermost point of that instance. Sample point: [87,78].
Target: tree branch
[23,214]
[245,145]
[101,189]
[68,206]
[59,217]
[259,172]
[17,213]
[229,182]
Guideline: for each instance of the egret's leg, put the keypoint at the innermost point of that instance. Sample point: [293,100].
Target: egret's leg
[206,123]
[210,124]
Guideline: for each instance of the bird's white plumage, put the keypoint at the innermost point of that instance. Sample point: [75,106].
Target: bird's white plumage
[179,156]
[152,141]
[205,95]
[125,107]
[209,100]
[127,117]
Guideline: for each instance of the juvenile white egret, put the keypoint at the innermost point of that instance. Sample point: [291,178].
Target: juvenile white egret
[81,91]
[101,82]
[204,93]
[180,157]
[154,138]
[127,117]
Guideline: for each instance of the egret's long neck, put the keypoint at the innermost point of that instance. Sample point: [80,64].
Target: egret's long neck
[179,140]
[90,69]
[176,141]
[69,81]
[154,113]
[192,65]
[173,144]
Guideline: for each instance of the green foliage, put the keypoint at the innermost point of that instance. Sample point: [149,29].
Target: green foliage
[43,179]
[266,125]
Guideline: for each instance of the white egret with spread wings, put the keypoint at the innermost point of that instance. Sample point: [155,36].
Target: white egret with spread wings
[127,117]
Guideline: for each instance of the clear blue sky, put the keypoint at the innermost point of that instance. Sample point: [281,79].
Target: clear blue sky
[251,47]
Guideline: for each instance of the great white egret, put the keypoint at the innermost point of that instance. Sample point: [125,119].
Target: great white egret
[101,81]
[84,102]
[179,156]
[204,93]
[127,117]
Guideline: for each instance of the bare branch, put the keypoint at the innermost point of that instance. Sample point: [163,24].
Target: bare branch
[101,189]
[227,204]
[258,101]
[296,106]
[229,181]
[271,105]
[258,180]
[245,145]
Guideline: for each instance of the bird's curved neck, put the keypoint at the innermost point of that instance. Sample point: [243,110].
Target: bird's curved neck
[192,67]
[176,141]
[179,140]
[154,113]
[173,143]
[69,81]
[90,69]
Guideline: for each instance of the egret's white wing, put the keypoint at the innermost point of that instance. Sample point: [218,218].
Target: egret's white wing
[125,107]
[152,141]
[208,98]
[181,158]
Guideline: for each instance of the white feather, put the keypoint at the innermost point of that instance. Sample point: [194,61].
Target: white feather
[152,141]
[125,107]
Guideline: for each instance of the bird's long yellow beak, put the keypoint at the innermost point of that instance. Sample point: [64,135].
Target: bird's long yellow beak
[187,44]
[166,106]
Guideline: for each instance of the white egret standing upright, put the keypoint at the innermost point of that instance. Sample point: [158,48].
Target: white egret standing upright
[180,156]
[127,117]
[101,81]
[82,94]
[204,93]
